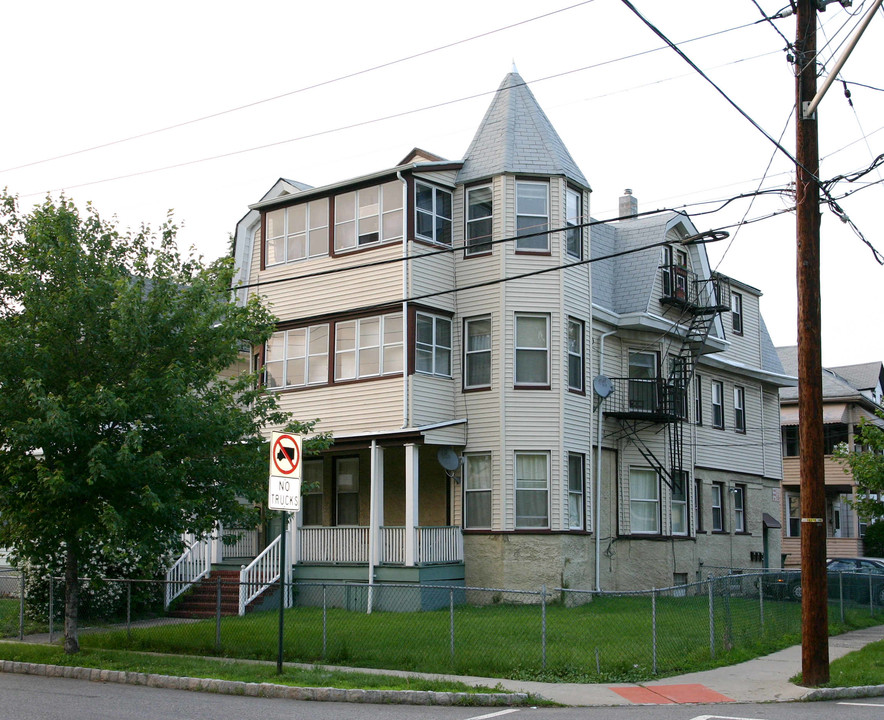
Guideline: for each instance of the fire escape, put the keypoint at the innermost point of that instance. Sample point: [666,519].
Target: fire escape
[659,401]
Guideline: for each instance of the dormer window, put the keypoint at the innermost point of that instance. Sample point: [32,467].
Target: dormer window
[532,216]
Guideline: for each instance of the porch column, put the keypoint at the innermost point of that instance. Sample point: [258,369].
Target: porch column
[376,514]
[297,520]
[217,544]
[411,502]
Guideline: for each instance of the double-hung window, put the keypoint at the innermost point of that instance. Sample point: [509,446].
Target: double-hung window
[739,409]
[297,357]
[368,347]
[643,381]
[717,404]
[368,216]
[479,220]
[532,490]
[739,508]
[575,355]
[698,400]
[573,224]
[717,507]
[532,216]
[297,232]
[532,350]
[679,503]
[737,313]
[698,505]
[477,491]
[793,515]
[432,345]
[477,353]
[432,213]
[575,491]
[644,501]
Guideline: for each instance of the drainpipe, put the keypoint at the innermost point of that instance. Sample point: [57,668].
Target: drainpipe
[598,470]
[405,354]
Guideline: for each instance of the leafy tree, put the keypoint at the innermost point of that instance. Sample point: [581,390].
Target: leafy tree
[867,468]
[121,421]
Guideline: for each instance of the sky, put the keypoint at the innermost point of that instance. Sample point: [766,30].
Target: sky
[198,107]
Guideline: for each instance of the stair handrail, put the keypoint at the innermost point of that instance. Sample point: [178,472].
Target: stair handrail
[259,574]
[194,564]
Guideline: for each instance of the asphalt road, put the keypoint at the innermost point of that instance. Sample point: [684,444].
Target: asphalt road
[29,697]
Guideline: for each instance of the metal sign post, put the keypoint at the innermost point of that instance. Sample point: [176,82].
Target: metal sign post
[284,494]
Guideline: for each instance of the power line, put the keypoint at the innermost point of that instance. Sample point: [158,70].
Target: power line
[306,88]
[362,123]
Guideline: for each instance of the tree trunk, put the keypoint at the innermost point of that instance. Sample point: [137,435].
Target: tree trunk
[71,600]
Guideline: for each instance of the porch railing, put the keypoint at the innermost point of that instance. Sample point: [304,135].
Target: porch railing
[244,545]
[350,545]
[260,574]
[438,544]
[333,544]
[194,564]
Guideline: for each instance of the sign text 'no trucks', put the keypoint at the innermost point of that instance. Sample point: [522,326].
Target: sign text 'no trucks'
[285,494]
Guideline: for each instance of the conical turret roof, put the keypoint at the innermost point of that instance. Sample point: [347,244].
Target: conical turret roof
[516,136]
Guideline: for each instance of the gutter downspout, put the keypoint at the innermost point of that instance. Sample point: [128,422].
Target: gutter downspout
[598,472]
[405,354]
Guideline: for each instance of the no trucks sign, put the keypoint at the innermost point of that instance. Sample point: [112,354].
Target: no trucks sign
[284,492]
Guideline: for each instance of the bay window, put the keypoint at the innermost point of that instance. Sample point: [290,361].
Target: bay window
[532,216]
[432,345]
[532,490]
[532,350]
[477,353]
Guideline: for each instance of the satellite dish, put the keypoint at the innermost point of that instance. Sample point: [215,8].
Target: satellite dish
[602,386]
[448,459]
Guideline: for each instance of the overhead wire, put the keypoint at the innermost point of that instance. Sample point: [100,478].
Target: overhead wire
[314,86]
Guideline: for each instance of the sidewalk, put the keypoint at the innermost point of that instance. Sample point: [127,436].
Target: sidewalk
[764,679]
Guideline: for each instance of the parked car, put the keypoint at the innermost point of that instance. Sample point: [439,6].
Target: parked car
[852,576]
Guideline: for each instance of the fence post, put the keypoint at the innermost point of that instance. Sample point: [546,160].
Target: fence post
[711,620]
[324,624]
[51,608]
[218,612]
[128,609]
[654,631]
[21,607]
[451,620]
[761,600]
[841,593]
[543,624]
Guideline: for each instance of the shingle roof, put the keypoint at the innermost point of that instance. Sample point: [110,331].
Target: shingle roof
[864,376]
[516,136]
[835,385]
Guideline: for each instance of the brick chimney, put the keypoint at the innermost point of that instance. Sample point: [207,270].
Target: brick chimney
[628,204]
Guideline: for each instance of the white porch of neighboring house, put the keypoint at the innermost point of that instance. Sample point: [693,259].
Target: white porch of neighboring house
[396,526]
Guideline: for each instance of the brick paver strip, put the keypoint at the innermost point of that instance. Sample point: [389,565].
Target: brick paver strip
[690,693]
[641,695]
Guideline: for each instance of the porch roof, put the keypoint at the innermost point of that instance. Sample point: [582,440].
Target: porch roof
[448,432]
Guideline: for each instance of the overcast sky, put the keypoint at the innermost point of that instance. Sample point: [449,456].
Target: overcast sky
[254,92]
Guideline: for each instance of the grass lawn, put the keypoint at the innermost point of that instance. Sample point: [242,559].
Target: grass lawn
[609,639]
[863,667]
[9,612]
[226,670]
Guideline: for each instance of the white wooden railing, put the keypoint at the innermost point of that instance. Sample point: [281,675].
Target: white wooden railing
[245,545]
[393,545]
[261,573]
[194,564]
[438,544]
[333,544]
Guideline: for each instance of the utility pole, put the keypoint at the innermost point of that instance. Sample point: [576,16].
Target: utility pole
[814,591]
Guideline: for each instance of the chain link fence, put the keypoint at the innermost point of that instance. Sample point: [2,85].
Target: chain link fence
[548,633]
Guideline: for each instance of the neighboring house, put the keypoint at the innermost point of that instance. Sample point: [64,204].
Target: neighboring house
[850,393]
[426,319]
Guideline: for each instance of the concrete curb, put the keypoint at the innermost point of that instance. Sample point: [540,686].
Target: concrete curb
[839,693]
[268,690]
